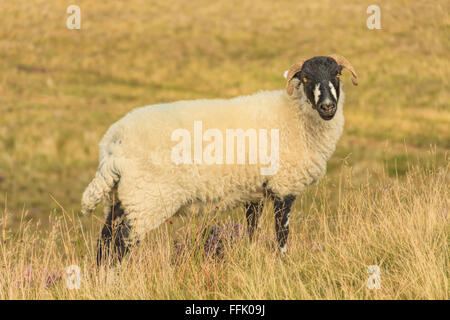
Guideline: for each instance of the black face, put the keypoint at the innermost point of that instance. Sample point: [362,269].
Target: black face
[320,79]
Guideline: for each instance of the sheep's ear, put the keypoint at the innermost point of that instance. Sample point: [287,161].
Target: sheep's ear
[340,60]
[290,75]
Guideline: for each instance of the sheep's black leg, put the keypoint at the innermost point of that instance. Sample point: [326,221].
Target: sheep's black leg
[252,212]
[112,245]
[282,211]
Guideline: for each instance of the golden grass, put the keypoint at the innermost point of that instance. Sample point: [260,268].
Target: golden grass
[400,225]
[61,89]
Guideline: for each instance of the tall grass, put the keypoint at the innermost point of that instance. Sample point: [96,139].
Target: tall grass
[61,89]
[401,225]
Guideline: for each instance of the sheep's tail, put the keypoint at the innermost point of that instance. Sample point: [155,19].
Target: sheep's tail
[101,186]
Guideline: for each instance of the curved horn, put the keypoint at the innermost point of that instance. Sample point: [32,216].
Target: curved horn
[340,60]
[291,73]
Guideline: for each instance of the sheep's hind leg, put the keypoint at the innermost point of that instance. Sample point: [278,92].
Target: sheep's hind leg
[113,244]
[252,213]
[282,211]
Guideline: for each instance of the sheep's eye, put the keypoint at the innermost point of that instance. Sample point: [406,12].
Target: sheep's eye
[305,79]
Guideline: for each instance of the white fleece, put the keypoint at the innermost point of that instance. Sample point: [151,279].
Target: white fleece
[135,156]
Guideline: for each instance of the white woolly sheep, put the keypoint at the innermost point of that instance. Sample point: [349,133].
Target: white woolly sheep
[143,180]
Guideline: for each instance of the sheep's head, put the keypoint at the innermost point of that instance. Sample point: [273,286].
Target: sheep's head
[318,79]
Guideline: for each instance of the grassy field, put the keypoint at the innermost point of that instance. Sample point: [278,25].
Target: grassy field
[384,200]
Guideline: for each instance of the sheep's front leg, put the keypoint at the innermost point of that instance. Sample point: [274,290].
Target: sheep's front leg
[282,211]
[112,245]
[252,213]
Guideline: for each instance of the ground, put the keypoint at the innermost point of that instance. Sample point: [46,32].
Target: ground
[384,200]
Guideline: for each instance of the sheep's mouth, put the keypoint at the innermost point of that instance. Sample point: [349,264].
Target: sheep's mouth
[327,116]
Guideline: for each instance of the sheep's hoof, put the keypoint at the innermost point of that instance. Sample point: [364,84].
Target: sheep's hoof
[282,250]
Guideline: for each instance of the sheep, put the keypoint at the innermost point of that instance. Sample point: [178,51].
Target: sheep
[143,180]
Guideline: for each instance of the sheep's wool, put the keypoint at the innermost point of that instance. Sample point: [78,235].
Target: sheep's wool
[136,167]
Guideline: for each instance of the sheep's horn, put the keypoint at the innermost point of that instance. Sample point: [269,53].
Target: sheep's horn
[340,60]
[291,73]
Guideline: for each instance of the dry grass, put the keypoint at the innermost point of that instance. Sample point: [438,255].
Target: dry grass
[400,225]
[61,89]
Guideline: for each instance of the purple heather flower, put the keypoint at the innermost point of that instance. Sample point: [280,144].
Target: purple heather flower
[213,241]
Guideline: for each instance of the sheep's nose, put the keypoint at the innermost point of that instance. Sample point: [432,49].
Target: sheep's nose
[327,107]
